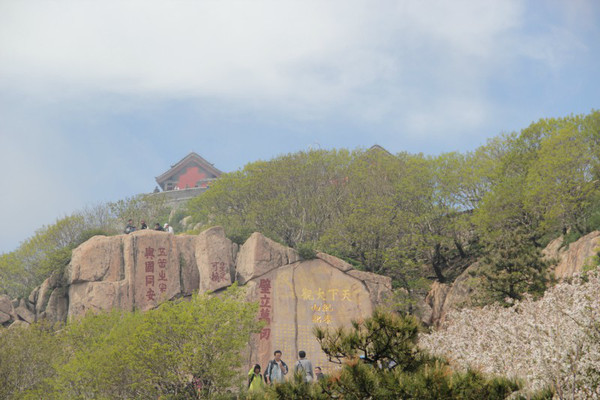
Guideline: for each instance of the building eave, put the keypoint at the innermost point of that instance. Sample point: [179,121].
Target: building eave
[177,167]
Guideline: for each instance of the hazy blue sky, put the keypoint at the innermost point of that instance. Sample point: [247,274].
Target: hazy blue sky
[99,97]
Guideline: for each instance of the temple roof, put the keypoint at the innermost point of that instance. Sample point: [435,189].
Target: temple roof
[377,147]
[190,159]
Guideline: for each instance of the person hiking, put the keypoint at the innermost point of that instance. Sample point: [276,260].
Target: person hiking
[319,374]
[255,380]
[130,227]
[276,369]
[304,367]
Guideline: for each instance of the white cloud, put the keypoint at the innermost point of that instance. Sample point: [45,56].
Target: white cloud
[309,56]
[370,61]
[305,52]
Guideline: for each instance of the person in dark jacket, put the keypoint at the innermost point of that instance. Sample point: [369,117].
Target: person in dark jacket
[130,227]
[319,374]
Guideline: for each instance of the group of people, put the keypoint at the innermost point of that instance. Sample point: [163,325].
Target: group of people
[277,369]
[131,227]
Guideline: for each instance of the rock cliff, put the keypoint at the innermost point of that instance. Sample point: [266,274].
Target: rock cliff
[140,270]
[568,261]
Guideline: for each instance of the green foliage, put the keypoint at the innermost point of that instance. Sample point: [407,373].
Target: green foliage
[412,217]
[49,249]
[513,266]
[593,262]
[382,339]
[382,212]
[408,216]
[149,207]
[391,366]
[120,355]
[176,218]
[560,182]
[296,389]
[307,251]
[292,198]
[26,359]
[545,183]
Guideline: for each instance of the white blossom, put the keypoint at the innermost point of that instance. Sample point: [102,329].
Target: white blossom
[554,341]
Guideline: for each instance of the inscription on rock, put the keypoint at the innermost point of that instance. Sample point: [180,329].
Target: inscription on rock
[156,273]
[295,298]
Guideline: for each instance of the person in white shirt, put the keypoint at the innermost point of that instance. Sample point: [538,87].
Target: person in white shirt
[276,370]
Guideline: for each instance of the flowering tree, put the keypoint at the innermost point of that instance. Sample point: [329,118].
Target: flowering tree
[553,342]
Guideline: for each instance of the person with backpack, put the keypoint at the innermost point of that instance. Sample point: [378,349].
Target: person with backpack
[304,367]
[276,369]
[255,380]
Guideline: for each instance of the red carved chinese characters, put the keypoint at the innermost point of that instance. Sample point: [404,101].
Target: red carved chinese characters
[264,287]
[149,269]
[218,272]
[162,272]
[150,254]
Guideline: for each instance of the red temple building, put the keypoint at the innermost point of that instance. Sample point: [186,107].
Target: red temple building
[192,171]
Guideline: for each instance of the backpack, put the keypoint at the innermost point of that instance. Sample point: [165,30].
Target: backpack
[307,376]
[251,379]
[269,369]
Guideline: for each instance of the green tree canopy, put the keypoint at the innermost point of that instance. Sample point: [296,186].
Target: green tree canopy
[381,360]
[168,352]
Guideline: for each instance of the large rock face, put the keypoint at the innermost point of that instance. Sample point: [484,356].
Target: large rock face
[214,255]
[135,271]
[296,297]
[573,258]
[443,297]
[142,269]
[570,260]
[260,255]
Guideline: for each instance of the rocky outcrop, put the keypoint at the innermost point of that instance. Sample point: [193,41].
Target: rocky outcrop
[572,259]
[7,312]
[24,313]
[378,286]
[334,262]
[100,259]
[443,297]
[260,255]
[569,260]
[295,297]
[214,256]
[140,270]
[190,277]
[434,303]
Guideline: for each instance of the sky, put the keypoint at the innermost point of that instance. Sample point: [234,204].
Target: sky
[97,98]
